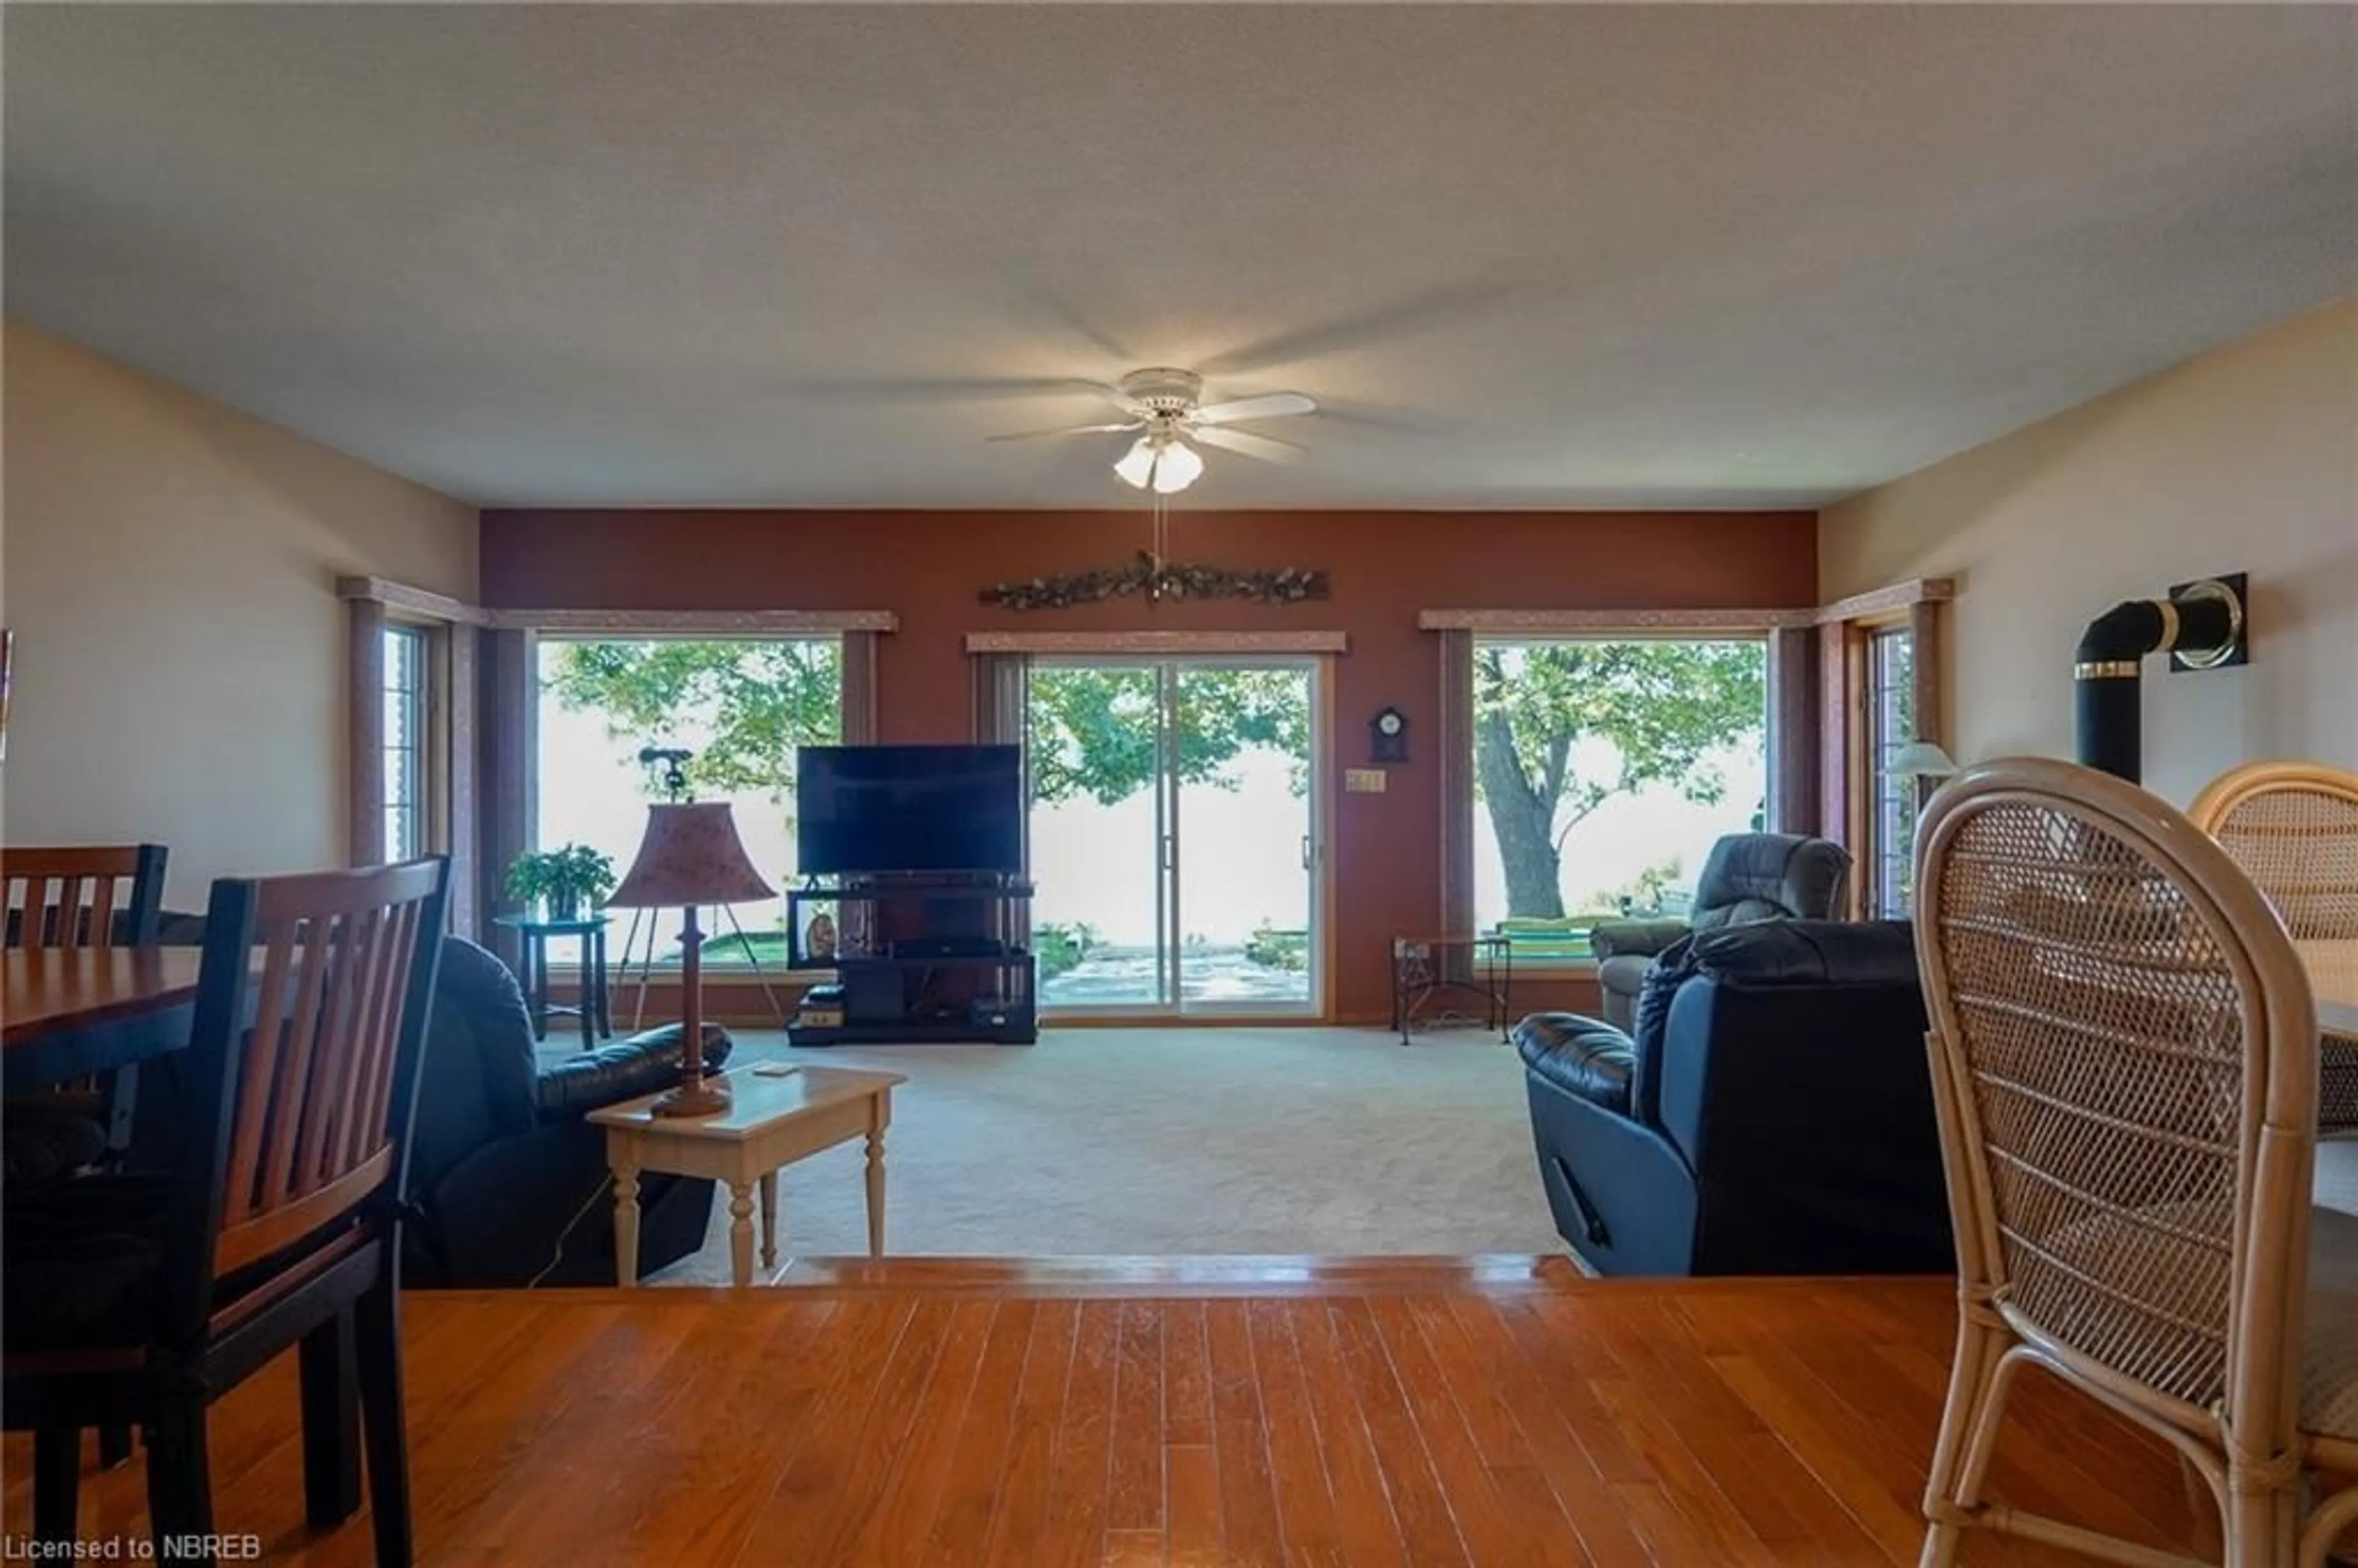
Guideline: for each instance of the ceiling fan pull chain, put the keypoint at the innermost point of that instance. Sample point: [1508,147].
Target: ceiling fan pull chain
[1162,540]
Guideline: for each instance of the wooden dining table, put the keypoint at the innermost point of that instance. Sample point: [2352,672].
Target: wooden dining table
[2332,969]
[68,1012]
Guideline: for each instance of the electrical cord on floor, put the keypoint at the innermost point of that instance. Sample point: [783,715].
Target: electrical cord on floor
[556,1259]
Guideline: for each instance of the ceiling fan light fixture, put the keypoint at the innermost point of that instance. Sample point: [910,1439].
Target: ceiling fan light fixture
[1166,407]
[1137,465]
[1177,468]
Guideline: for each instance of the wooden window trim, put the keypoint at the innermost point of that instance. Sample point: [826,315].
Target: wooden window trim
[1896,600]
[1847,629]
[1671,625]
[363,732]
[623,625]
[1858,778]
[424,604]
[1156,644]
[410,603]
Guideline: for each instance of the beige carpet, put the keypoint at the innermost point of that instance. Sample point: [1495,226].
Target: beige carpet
[1176,1141]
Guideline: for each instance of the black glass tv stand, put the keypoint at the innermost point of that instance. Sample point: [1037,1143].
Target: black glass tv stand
[918,960]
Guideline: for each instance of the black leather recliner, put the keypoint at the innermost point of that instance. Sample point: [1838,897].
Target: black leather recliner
[1772,1113]
[1746,877]
[508,1186]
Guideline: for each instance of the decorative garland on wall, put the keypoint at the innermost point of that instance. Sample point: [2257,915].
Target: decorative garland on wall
[1149,574]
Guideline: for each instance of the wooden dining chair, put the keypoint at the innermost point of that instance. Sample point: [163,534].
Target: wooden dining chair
[94,896]
[274,1223]
[91,897]
[2123,1052]
[69,897]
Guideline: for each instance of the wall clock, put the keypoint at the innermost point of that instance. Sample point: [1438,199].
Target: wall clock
[1388,736]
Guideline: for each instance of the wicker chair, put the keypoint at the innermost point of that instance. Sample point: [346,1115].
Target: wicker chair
[2124,1054]
[2293,827]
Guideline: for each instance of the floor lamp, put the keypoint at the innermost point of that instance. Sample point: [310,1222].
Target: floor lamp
[1921,760]
[691,856]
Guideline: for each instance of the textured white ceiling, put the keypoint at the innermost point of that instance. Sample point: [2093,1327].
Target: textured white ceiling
[1529,256]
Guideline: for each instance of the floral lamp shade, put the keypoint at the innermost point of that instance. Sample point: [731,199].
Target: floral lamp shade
[691,855]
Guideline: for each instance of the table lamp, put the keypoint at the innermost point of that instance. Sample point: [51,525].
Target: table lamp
[691,856]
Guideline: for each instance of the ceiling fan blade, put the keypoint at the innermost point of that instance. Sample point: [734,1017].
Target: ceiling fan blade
[938,389]
[1275,406]
[1447,309]
[1069,430]
[1113,395]
[1269,448]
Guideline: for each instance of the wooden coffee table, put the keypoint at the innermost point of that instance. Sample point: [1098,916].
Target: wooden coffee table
[771,1123]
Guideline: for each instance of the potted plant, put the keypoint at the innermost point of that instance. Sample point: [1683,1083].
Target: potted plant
[563,880]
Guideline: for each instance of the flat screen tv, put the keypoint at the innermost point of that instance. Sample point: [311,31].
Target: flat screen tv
[909,808]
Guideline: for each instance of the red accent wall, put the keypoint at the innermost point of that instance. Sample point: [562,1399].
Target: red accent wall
[926,567]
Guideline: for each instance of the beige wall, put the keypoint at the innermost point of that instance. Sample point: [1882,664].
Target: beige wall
[2245,458]
[180,651]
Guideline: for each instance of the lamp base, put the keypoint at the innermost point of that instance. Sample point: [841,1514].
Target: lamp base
[703,1096]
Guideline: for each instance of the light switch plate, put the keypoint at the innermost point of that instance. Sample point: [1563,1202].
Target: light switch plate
[1363,780]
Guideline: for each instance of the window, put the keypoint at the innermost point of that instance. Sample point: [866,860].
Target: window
[407,804]
[1604,770]
[741,706]
[1892,725]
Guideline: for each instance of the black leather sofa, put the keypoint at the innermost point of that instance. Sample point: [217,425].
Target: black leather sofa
[1746,877]
[1770,1114]
[508,1185]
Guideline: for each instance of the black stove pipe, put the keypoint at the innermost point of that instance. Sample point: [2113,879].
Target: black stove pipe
[2106,671]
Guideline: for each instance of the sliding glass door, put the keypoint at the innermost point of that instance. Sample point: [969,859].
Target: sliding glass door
[1098,750]
[1174,835]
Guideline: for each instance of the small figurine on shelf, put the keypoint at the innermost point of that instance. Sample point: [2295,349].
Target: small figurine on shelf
[819,939]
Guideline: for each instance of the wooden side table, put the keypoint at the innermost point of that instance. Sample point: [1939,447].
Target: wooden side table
[533,939]
[772,1121]
[1421,969]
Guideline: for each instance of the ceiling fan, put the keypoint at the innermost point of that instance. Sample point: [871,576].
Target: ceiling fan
[1166,407]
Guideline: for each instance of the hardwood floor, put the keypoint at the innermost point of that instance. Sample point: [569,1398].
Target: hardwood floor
[1006,1417]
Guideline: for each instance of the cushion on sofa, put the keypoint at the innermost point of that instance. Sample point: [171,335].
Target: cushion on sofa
[1584,1057]
[644,1063]
[1661,982]
[1767,876]
[1759,954]
[1807,952]
[1624,974]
